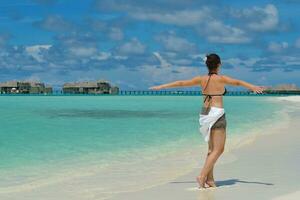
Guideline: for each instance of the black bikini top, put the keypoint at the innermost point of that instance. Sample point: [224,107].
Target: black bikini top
[209,96]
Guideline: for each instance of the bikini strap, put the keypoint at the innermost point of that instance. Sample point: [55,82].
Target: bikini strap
[208,96]
[209,74]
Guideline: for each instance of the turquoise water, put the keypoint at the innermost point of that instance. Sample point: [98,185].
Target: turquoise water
[55,132]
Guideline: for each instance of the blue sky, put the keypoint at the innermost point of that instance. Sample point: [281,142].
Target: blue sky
[137,44]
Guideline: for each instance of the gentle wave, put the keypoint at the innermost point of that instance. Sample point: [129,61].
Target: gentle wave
[289,98]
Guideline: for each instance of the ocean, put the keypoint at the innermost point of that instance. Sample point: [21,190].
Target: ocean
[96,146]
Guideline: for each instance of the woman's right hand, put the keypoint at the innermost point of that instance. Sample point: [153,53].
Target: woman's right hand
[159,87]
[257,89]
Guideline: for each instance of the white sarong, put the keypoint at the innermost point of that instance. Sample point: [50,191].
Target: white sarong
[207,121]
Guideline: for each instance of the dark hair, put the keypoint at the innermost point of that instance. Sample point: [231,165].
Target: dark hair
[212,61]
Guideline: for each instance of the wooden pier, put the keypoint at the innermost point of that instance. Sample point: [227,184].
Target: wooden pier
[198,93]
[170,93]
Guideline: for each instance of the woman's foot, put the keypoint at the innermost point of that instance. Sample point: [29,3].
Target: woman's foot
[211,183]
[201,181]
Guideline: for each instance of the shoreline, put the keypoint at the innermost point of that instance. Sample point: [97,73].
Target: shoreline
[264,168]
[171,182]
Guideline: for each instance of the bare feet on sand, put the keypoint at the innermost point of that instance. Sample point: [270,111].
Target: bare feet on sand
[211,183]
[201,181]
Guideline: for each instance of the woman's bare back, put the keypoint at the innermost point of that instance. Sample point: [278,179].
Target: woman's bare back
[212,87]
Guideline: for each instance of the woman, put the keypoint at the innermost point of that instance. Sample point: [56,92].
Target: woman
[212,118]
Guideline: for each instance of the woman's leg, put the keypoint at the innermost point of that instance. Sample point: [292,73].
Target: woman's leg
[210,177]
[218,137]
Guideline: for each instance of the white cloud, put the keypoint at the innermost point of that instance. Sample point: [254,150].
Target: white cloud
[116,34]
[269,22]
[291,60]
[172,42]
[171,60]
[82,51]
[280,61]
[4,38]
[180,18]
[182,61]
[237,62]
[118,57]
[153,75]
[258,18]
[163,62]
[218,32]
[202,19]
[55,23]
[297,43]
[102,56]
[35,51]
[277,47]
[134,46]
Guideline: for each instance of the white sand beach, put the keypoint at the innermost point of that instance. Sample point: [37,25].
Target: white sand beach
[266,168]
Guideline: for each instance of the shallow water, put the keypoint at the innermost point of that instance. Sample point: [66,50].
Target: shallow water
[108,137]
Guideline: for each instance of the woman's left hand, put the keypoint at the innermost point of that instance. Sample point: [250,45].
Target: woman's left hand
[258,89]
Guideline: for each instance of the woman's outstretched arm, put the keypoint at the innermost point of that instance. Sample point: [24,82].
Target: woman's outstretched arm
[181,83]
[236,82]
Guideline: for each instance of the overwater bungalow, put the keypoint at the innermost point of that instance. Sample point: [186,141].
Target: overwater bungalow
[24,87]
[96,87]
[287,89]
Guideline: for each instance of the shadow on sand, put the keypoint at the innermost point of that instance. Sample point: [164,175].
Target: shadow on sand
[228,182]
